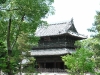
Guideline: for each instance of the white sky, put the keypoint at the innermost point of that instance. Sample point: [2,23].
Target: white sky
[82,11]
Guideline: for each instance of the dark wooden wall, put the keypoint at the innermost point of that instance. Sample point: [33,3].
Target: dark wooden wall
[56,42]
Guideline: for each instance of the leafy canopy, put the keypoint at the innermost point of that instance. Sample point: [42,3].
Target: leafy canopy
[25,16]
[95,41]
[3,55]
[18,17]
[79,62]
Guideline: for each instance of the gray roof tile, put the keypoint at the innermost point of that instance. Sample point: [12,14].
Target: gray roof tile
[58,29]
[42,52]
[53,29]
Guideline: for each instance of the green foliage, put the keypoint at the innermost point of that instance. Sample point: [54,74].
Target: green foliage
[29,67]
[3,56]
[25,16]
[18,17]
[79,62]
[22,52]
[2,1]
[96,38]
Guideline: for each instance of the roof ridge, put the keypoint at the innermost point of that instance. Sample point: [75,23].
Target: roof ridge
[59,23]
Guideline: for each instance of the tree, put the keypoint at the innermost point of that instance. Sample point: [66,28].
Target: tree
[17,16]
[95,42]
[2,1]
[23,46]
[3,56]
[79,62]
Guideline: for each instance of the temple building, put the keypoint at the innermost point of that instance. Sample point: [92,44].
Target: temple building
[55,41]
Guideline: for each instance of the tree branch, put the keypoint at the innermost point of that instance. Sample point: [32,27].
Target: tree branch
[8,9]
[15,39]
[9,48]
[22,19]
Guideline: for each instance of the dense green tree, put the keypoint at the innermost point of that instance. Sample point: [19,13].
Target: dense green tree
[3,56]
[23,47]
[17,16]
[95,41]
[2,1]
[93,45]
[79,62]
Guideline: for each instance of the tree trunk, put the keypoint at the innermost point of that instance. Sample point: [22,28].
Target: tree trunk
[9,47]
[8,38]
[20,69]
[9,68]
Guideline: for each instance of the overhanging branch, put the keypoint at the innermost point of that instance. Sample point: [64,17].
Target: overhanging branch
[8,9]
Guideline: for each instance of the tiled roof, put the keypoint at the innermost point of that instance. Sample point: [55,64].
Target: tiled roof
[51,52]
[58,29]
[53,29]
[77,35]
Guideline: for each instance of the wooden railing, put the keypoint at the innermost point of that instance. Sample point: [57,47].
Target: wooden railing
[51,70]
[53,45]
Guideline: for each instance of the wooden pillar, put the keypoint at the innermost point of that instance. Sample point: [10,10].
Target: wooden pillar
[63,66]
[58,39]
[54,64]
[43,44]
[44,64]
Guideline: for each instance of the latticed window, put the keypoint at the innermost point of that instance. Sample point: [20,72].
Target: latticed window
[47,39]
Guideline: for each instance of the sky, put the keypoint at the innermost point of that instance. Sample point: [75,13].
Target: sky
[82,11]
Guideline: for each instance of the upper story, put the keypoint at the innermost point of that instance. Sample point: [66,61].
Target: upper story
[58,35]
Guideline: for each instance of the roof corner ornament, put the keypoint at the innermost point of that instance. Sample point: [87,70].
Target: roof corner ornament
[72,20]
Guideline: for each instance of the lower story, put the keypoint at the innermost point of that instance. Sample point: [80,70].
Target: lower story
[50,64]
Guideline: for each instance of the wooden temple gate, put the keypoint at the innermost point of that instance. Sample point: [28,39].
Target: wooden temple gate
[55,40]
